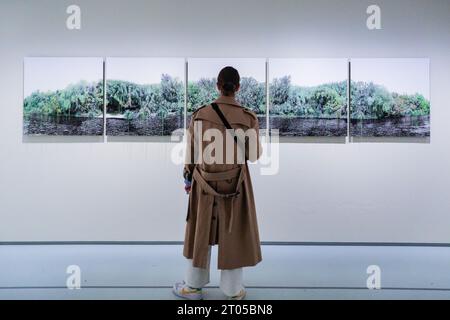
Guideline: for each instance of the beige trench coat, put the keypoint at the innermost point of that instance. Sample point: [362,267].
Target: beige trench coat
[221,202]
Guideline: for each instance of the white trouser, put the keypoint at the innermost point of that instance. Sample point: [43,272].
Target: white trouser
[230,280]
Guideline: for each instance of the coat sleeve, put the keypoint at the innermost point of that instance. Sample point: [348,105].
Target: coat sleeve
[253,149]
[189,163]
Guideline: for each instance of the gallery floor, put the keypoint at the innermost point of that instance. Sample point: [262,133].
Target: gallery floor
[287,272]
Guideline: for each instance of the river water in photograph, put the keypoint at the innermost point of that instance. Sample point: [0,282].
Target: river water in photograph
[151,126]
[307,127]
[418,126]
[62,126]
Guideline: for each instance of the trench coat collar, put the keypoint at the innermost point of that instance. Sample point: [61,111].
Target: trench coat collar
[228,100]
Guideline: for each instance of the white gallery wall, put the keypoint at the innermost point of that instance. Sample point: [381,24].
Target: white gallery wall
[83,189]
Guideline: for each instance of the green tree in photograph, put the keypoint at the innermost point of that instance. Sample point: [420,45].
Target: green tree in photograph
[142,101]
[324,101]
[298,97]
[172,94]
[280,91]
[328,101]
[372,101]
[130,100]
[82,99]
[415,105]
[201,92]
[252,95]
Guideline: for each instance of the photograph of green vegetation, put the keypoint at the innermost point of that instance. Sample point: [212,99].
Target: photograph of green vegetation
[390,98]
[63,96]
[144,110]
[308,111]
[145,96]
[308,97]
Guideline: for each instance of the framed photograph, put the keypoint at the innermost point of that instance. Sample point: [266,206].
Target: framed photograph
[63,96]
[308,97]
[145,96]
[390,98]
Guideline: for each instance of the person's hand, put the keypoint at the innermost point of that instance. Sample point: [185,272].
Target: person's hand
[187,186]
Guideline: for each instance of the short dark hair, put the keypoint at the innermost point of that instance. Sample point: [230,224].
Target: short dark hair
[228,80]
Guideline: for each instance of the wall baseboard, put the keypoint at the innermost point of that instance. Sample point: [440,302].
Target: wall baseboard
[264,243]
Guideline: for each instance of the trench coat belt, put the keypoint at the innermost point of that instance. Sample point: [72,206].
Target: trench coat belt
[202,177]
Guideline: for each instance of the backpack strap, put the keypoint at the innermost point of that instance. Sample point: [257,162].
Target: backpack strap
[221,115]
[227,125]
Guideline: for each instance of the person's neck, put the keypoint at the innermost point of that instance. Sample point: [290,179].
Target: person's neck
[233,96]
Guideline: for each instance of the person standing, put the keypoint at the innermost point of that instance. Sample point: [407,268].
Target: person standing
[221,208]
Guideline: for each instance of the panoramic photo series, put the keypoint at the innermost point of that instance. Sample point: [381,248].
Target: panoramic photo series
[153,96]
